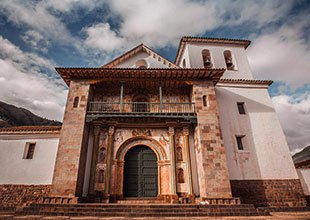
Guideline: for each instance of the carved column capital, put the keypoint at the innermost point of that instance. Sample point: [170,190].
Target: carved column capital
[171,130]
[97,130]
[111,130]
[185,131]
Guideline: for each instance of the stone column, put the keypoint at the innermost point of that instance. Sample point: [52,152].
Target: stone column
[210,153]
[109,159]
[188,160]
[70,162]
[92,178]
[172,160]
[120,181]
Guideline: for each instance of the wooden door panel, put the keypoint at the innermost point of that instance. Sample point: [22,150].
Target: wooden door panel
[140,173]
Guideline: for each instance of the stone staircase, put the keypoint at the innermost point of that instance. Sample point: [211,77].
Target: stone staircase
[140,210]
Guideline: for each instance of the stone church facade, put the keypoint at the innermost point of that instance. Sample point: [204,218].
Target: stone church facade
[142,127]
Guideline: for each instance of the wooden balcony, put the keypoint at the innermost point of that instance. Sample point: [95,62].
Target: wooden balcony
[139,109]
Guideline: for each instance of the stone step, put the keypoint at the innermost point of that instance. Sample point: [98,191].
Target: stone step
[141,201]
[143,210]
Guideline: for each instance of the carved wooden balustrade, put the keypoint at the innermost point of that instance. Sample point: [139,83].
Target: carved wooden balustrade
[141,108]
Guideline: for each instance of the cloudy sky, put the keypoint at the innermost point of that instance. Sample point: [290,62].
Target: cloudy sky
[37,35]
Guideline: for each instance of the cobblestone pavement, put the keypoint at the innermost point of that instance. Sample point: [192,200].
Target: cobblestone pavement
[274,215]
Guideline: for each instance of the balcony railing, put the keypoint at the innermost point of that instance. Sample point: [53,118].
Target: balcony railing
[141,108]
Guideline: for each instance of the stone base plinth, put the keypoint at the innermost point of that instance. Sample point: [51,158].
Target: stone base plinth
[14,195]
[269,193]
[169,198]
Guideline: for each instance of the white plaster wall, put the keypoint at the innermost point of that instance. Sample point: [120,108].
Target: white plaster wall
[186,58]
[38,170]
[266,154]
[304,176]
[217,52]
[153,62]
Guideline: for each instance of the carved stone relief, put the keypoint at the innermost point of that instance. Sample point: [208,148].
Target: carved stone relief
[179,154]
[163,140]
[142,132]
[102,154]
[118,137]
[180,175]
[101,176]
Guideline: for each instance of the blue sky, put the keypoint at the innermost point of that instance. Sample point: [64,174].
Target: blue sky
[37,35]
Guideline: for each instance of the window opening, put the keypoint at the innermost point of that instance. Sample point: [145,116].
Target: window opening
[206,57]
[29,150]
[76,102]
[204,100]
[229,60]
[240,142]
[141,64]
[184,63]
[241,108]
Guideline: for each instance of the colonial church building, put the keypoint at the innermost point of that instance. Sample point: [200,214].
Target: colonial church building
[143,127]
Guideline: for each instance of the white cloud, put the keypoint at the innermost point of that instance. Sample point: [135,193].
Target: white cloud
[68,6]
[259,13]
[23,84]
[100,36]
[161,23]
[294,115]
[36,41]
[37,17]
[282,55]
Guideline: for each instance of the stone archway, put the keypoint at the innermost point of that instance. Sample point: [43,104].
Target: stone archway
[119,159]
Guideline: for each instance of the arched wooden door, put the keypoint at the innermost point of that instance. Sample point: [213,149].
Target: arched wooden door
[140,173]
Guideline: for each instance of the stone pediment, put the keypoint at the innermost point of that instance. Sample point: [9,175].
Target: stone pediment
[140,57]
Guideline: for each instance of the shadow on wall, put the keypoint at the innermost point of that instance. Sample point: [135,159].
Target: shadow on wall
[252,106]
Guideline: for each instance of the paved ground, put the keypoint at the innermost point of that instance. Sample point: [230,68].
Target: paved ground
[274,215]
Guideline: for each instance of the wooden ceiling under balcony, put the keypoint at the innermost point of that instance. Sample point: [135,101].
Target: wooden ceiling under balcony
[170,77]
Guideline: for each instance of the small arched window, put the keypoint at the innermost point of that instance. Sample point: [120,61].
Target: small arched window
[184,63]
[229,60]
[76,102]
[141,64]
[204,100]
[206,57]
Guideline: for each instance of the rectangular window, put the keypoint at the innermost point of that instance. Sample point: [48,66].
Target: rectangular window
[29,150]
[239,142]
[241,108]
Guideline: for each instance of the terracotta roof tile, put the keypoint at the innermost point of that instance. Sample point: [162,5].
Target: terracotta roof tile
[247,81]
[303,164]
[30,129]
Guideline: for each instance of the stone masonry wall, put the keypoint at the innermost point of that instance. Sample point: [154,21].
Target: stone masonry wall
[13,195]
[209,146]
[269,193]
[68,165]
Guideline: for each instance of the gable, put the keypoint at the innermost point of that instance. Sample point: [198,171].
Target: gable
[140,56]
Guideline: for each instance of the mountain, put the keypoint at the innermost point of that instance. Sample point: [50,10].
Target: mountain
[302,155]
[11,115]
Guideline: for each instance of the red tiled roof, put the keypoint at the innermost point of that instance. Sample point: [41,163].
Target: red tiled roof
[157,74]
[303,164]
[244,43]
[30,129]
[247,81]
